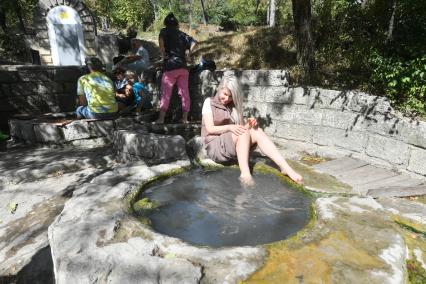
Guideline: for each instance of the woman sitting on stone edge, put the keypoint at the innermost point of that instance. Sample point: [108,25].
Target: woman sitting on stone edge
[226,136]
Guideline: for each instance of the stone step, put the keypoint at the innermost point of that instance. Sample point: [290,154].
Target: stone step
[340,165]
[367,179]
[397,191]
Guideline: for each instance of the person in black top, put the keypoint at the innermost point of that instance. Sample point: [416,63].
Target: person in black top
[173,47]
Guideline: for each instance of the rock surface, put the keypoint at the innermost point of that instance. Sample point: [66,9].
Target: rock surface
[80,196]
[96,238]
[33,190]
[334,250]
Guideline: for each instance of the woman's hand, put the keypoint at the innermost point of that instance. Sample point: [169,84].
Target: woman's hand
[237,129]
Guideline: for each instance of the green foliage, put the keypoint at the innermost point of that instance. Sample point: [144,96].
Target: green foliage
[11,9]
[157,25]
[3,137]
[12,48]
[123,13]
[237,13]
[404,81]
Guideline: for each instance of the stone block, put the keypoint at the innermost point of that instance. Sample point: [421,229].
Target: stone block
[123,122]
[7,107]
[196,147]
[415,133]
[22,129]
[349,140]
[417,161]
[66,102]
[24,89]
[367,104]
[286,95]
[42,34]
[46,60]
[388,126]
[301,115]
[391,150]
[255,109]
[48,133]
[269,127]
[49,87]
[8,76]
[70,88]
[293,131]
[83,129]
[342,120]
[264,77]
[33,74]
[330,99]
[101,128]
[280,112]
[66,74]
[44,51]
[76,130]
[151,148]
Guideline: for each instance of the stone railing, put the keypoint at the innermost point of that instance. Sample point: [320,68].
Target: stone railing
[34,90]
[359,124]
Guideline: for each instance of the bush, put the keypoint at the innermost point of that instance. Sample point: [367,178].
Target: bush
[3,137]
[403,81]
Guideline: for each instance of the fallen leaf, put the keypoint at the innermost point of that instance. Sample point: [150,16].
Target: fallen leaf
[170,256]
[11,207]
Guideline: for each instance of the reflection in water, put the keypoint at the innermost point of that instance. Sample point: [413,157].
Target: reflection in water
[211,208]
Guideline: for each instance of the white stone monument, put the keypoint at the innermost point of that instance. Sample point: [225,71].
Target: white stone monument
[66,36]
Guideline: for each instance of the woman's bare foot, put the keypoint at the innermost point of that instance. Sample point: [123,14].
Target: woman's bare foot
[294,176]
[247,181]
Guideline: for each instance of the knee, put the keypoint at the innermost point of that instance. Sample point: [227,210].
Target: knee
[256,131]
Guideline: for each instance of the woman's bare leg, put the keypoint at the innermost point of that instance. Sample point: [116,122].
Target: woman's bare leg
[242,145]
[269,149]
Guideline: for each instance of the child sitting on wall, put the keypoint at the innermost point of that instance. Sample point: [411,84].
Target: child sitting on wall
[141,93]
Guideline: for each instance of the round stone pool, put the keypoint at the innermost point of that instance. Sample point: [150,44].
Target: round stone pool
[212,208]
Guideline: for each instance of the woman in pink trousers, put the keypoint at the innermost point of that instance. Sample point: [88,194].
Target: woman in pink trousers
[173,46]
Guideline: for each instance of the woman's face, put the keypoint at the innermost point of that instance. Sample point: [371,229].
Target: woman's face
[225,96]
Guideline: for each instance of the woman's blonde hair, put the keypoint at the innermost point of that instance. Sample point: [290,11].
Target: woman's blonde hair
[230,81]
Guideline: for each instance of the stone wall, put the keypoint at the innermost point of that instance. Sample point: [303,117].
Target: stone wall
[33,90]
[356,123]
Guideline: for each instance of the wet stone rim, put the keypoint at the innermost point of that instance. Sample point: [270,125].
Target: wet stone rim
[298,218]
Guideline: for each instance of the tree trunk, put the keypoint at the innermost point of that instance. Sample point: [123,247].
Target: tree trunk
[389,34]
[205,17]
[304,40]
[154,8]
[190,14]
[257,6]
[272,11]
[18,12]
[3,19]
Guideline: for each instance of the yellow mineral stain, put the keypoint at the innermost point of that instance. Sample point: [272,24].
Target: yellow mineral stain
[63,15]
[313,262]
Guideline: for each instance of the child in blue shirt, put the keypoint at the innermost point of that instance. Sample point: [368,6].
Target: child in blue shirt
[141,93]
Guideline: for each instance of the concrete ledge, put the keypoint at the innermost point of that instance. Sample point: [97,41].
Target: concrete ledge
[131,145]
